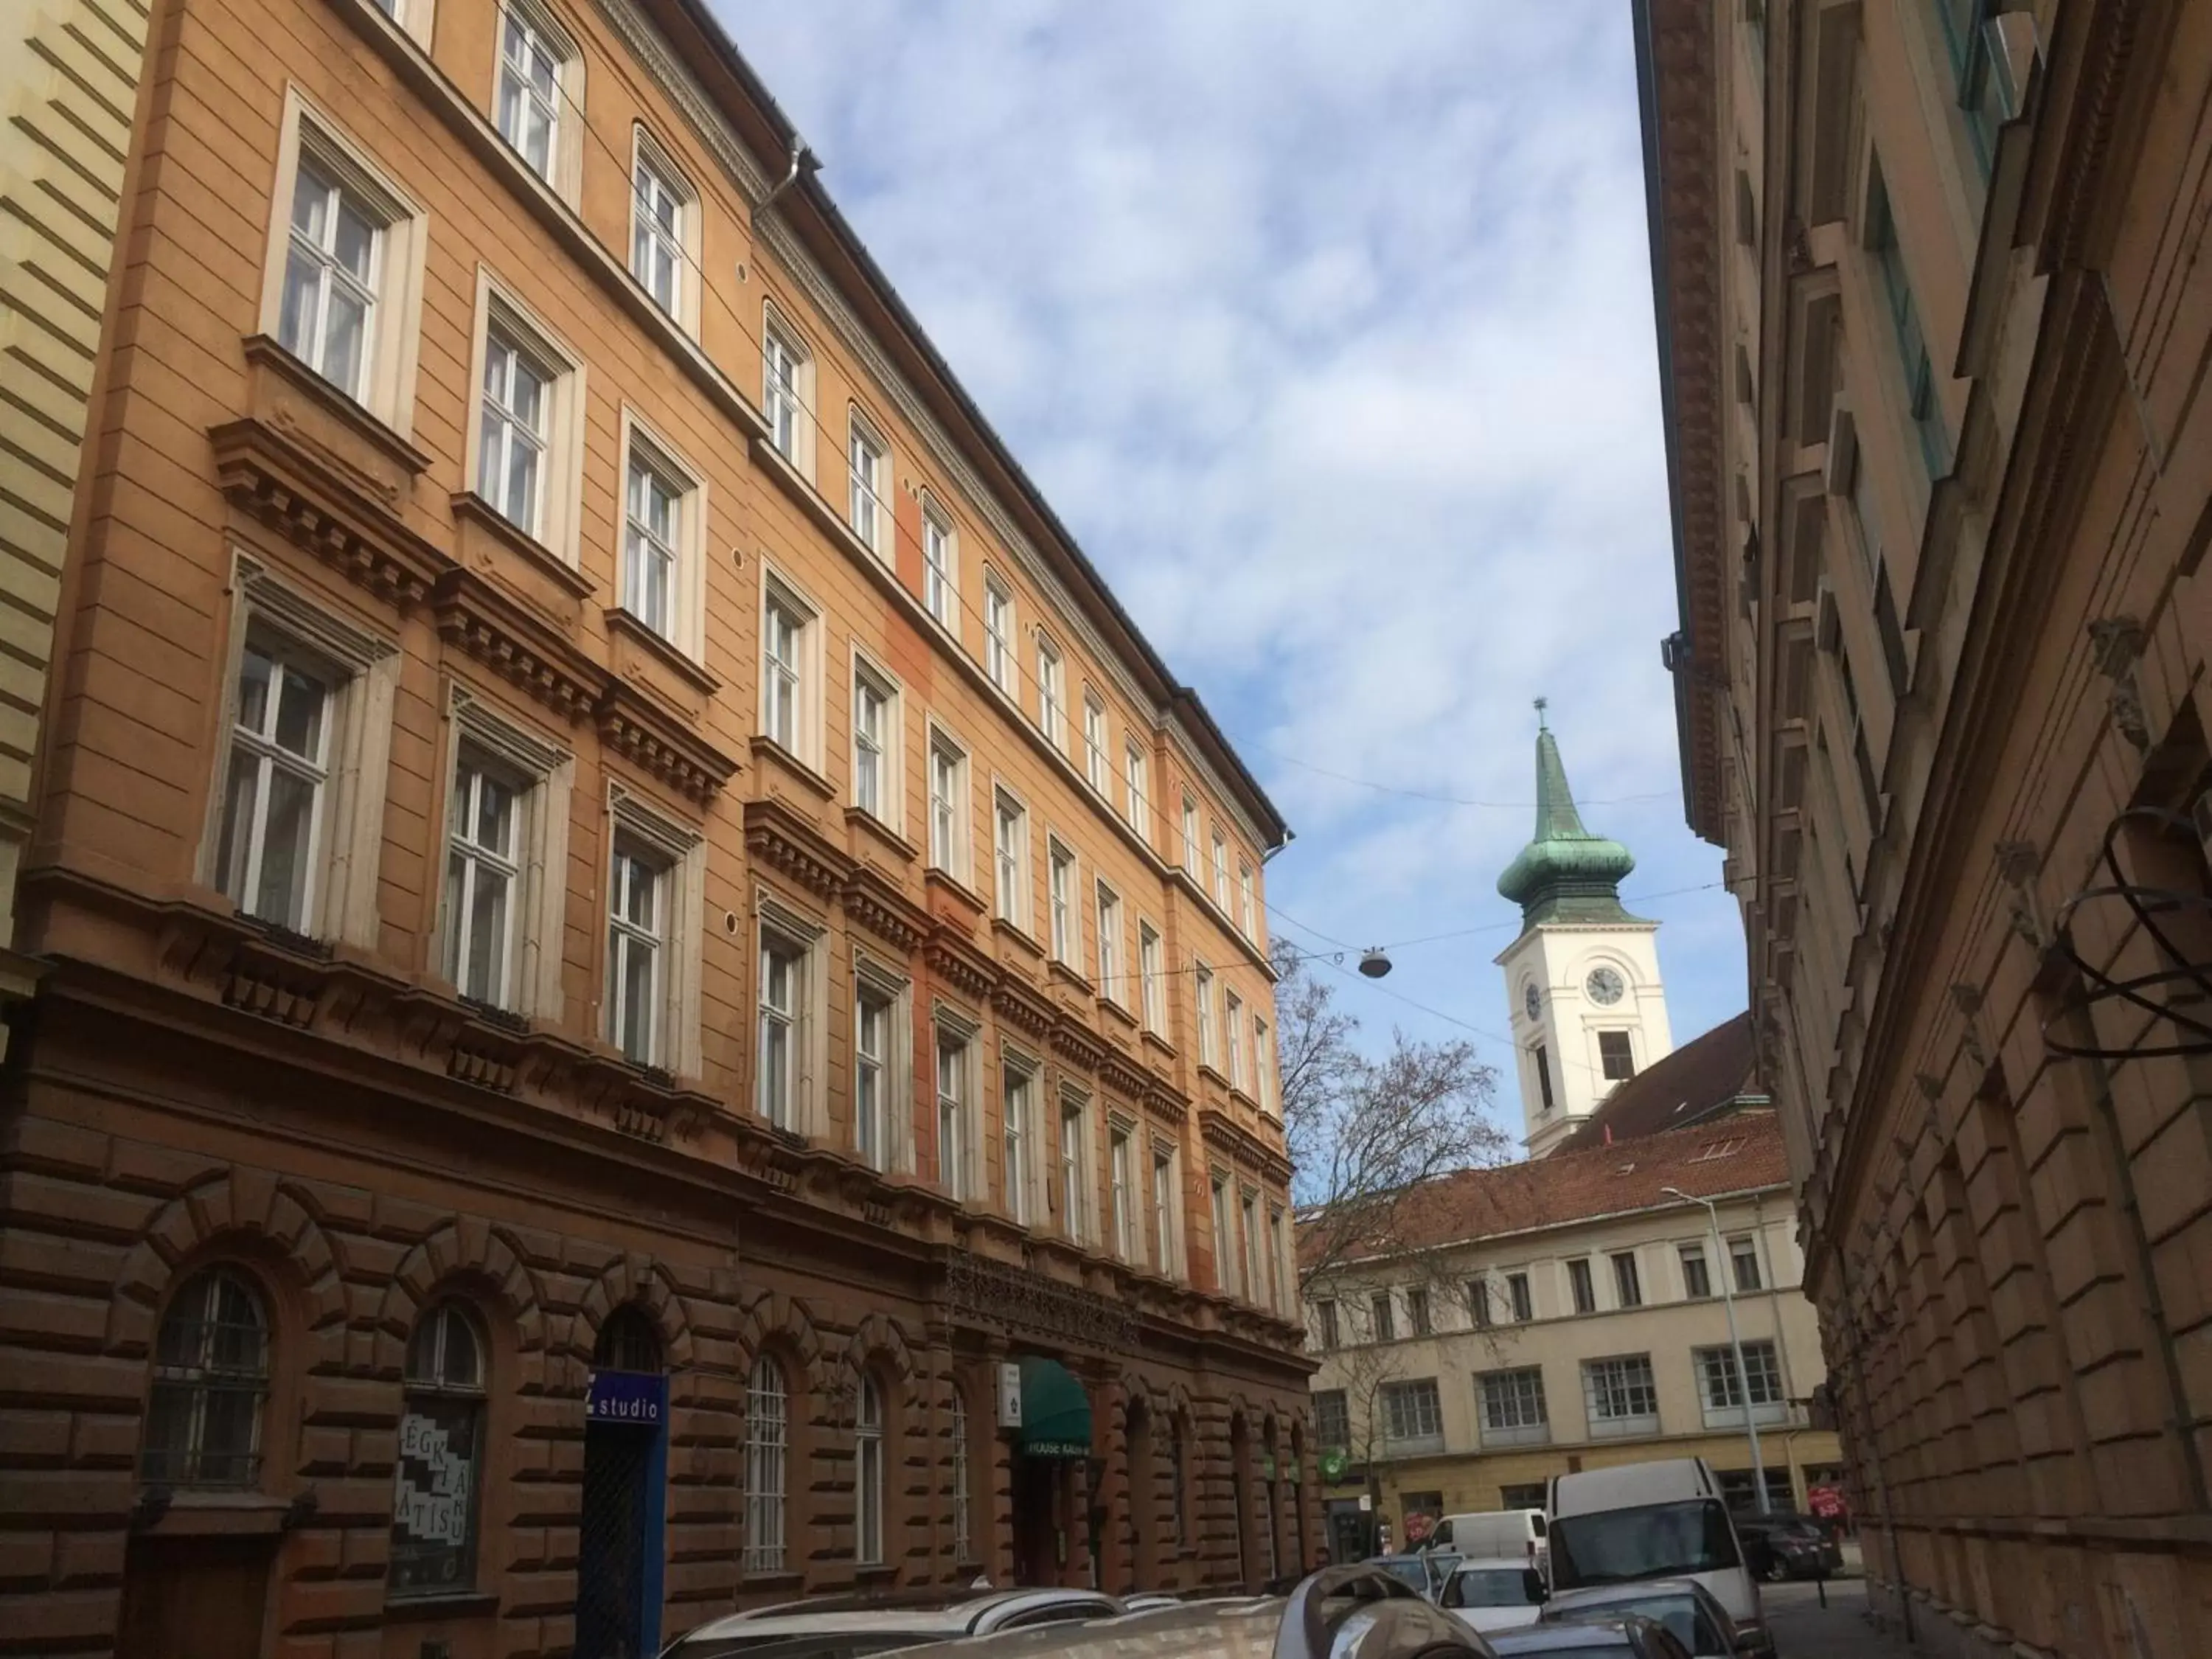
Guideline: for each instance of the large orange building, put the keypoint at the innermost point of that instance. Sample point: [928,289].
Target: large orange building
[639,957]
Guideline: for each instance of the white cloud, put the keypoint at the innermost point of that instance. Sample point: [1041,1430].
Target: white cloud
[1327,329]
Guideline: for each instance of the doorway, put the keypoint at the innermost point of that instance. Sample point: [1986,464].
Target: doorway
[194,1598]
[618,1544]
[1040,1538]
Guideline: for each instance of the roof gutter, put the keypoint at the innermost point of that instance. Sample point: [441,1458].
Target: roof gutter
[1179,697]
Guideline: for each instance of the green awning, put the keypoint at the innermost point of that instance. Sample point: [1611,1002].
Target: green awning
[1055,1411]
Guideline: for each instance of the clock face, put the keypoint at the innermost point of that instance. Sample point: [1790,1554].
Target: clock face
[1533,1000]
[1604,987]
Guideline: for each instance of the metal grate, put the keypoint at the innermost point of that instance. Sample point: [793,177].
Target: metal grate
[210,1373]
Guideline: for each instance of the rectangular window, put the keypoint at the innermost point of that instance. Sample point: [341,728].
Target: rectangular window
[1743,1257]
[1202,986]
[636,944]
[1332,1420]
[1052,693]
[1417,1311]
[1018,1109]
[1627,1285]
[948,806]
[1263,1067]
[1521,1495]
[999,634]
[1980,90]
[1478,1309]
[1137,800]
[874,734]
[1232,1030]
[1167,1235]
[529,111]
[1110,985]
[872,1089]
[1151,993]
[483,878]
[1010,843]
[782,683]
[1328,1331]
[1221,871]
[952,1115]
[1247,908]
[1541,1057]
[784,371]
[1720,1392]
[268,854]
[1620,1396]
[940,567]
[1190,836]
[332,275]
[1279,1256]
[1062,897]
[1255,1271]
[1517,1294]
[657,236]
[1224,1253]
[865,508]
[1094,741]
[652,535]
[1615,1060]
[1696,1281]
[782,965]
[513,433]
[1382,1317]
[1578,1281]
[1926,407]
[1119,1176]
[1412,1416]
[1512,1407]
[1074,1169]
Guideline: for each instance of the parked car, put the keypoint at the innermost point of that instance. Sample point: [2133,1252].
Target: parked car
[1501,1594]
[1625,1638]
[1423,1571]
[1787,1546]
[850,1627]
[1690,1613]
[1664,1519]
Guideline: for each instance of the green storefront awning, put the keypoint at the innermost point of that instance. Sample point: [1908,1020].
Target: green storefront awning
[1055,1411]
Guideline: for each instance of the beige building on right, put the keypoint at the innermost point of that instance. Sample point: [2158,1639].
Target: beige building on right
[1934,312]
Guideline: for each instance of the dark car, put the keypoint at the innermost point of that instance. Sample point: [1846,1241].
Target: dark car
[1786,1546]
[1627,1637]
[1692,1613]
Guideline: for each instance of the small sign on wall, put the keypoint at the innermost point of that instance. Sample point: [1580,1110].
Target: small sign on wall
[1010,1396]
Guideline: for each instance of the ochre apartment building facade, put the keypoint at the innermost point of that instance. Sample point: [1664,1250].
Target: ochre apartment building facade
[638,957]
[1931,290]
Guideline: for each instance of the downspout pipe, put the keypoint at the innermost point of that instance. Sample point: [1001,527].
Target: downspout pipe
[803,164]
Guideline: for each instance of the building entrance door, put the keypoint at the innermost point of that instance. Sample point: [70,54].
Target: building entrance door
[194,1598]
[1040,1544]
[618,1544]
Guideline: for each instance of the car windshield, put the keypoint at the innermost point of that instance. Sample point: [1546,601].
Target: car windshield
[1411,1568]
[1658,1541]
[1491,1587]
[1680,1613]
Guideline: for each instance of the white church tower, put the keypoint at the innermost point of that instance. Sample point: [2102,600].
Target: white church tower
[1589,1008]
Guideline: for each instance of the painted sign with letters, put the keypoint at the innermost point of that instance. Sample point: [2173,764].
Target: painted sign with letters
[633,1398]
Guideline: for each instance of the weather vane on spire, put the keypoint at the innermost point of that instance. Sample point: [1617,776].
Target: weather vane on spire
[1542,703]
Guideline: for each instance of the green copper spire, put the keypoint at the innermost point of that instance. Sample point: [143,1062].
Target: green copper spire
[1565,874]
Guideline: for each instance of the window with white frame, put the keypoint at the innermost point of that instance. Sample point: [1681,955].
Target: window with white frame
[310,703]
[652,997]
[1018,1127]
[516,413]
[1110,985]
[876,744]
[1202,981]
[1232,1029]
[1190,834]
[1094,740]
[782,972]
[660,210]
[533,65]
[871,1050]
[1697,1281]
[1263,1066]
[1256,1266]
[331,288]
[868,1475]
[1052,693]
[1221,870]
[1137,800]
[1512,1407]
[948,806]
[1412,1417]
[866,460]
[1278,1248]
[1224,1249]
[441,1451]
[1247,908]
[786,372]
[940,567]
[1332,1419]
[1743,1263]
[782,682]
[1010,859]
[663,519]
[999,634]
[1075,1168]
[1121,1174]
[1620,1395]
[1167,1227]
[767,1447]
[1723,1395]
[1152,994]
[955,1087]
[484,877]
[1061,895]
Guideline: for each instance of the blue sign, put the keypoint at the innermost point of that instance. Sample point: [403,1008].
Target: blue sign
[635,1399]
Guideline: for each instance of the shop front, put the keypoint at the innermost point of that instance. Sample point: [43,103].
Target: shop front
[1052,1481]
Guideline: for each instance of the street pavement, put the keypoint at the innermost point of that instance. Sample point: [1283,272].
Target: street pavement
[1803,1629]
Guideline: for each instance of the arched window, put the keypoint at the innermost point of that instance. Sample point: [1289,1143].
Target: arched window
[766,1427]
[436,1485]
[210,1376]
[627,1342]
[964,1538]
[868,1475]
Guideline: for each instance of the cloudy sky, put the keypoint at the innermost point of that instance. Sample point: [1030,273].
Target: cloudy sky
[1327,329]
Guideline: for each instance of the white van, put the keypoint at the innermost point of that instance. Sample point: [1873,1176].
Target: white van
[1660,1520]
[1512,1534]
